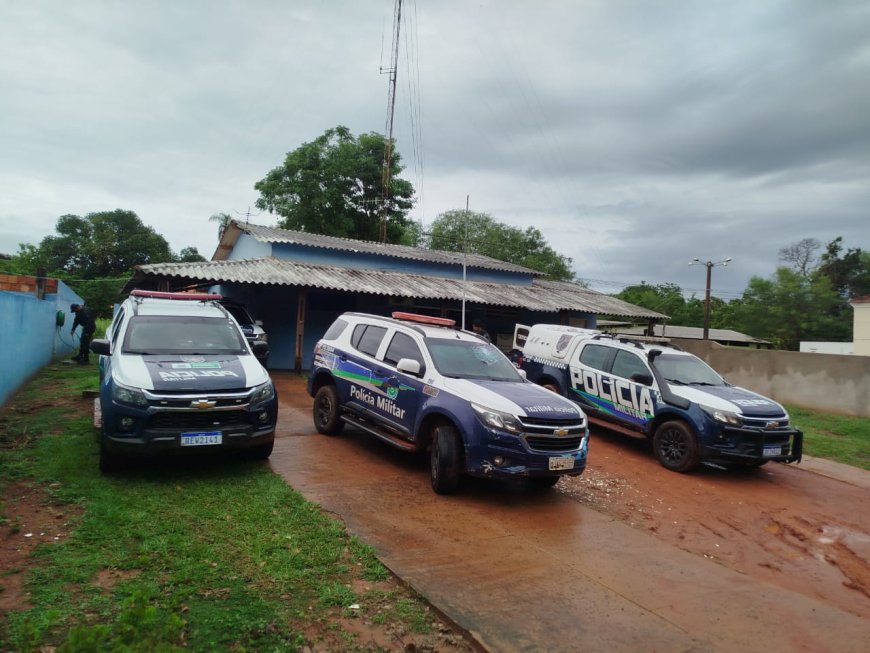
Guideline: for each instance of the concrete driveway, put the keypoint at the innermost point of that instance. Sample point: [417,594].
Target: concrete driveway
[528,571]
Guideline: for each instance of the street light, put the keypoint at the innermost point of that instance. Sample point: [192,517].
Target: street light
[710,265]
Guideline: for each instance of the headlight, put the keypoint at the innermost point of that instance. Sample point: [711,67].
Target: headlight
[497,419]
[723,416]
[261,337]
[124,395]
[263,393]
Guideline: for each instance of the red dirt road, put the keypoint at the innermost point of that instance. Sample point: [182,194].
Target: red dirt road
[627,557]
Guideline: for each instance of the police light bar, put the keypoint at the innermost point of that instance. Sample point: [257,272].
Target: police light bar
[157,294]
[424,319]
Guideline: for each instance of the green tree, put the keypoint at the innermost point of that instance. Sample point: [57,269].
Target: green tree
[790,307]
[189,255]
[95,254]
[100,244]
[333,186]
[848,272]
[668,298]
[480,233]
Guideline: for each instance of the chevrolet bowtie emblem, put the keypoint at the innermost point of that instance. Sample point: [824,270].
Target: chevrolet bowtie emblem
[203,404]
[560,432]
[772,425]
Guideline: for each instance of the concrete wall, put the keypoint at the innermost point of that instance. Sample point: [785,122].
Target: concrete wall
[830,382]
[861,331]
[29,336]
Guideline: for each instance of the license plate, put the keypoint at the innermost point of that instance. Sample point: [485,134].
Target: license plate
[200,439]
[562,462]
[772,451]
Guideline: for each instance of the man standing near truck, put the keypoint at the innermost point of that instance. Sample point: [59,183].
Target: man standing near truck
[85,318]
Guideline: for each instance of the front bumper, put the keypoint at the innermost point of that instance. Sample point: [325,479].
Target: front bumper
[499,454]
[753,445]
[149,431]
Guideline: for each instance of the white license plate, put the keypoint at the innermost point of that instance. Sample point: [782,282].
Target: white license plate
[772,451]
[200,439]
[561,462]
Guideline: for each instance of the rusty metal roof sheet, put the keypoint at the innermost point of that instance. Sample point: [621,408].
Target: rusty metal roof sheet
[275,235]
[540,295]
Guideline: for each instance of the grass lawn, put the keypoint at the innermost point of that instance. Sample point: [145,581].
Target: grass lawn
[214,556]
[836,437]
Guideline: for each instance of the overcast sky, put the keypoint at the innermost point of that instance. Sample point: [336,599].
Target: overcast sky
[635,135]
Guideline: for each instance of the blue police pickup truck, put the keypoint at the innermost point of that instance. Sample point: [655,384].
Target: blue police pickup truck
[657,391]
[420,385]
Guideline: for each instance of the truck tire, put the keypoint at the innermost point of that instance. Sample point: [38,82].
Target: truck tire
[110,463]
[551,385]
[325,411]
[676,447]
[260,451]
[446,460]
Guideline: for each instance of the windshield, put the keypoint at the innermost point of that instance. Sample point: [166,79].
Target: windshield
[471,359]
[160,334]
[687,370]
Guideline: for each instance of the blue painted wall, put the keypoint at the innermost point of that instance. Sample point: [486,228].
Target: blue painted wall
[29,337]
[249,247]
[324,256]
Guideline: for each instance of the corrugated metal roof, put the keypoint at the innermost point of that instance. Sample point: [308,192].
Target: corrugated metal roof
[540,295]
[275,235]
[697,333]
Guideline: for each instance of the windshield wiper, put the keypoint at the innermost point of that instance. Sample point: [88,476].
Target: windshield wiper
[677,381]
[701,383]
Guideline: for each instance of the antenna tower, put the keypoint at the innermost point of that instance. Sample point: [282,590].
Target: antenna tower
[388,132]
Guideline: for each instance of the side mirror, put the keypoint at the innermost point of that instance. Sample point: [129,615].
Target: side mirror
[260,349]
[522,373]
[100,347]
[409,366]
[642,378]
[258,323]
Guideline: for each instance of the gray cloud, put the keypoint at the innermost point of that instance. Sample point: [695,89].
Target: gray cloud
[635,135]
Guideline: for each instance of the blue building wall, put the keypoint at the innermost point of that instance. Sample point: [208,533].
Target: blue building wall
[249,247]
[324,256]
[29,336]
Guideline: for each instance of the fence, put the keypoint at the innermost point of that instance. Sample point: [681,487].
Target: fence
[829,382]
[29,335]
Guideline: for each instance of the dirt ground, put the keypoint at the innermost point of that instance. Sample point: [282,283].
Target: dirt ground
[779,523]
[30,517]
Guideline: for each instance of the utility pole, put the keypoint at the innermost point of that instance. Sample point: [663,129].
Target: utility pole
[710,265]
[464,257]
[388,132]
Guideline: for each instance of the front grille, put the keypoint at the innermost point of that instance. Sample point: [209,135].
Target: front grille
[553,444]
[539,426]
[198,420]
[220,402]
[762,422]
[540,434]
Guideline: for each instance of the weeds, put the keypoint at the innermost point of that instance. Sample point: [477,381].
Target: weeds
[215,555]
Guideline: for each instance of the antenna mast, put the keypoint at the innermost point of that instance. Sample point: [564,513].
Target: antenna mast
[388,132]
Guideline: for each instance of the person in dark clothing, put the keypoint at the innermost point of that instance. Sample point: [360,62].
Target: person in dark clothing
[85,318]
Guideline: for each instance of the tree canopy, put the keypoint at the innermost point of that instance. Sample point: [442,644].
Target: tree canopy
[333,186]
[805,301]
[668,298]
[790,307]
[95,254]
[480,233]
